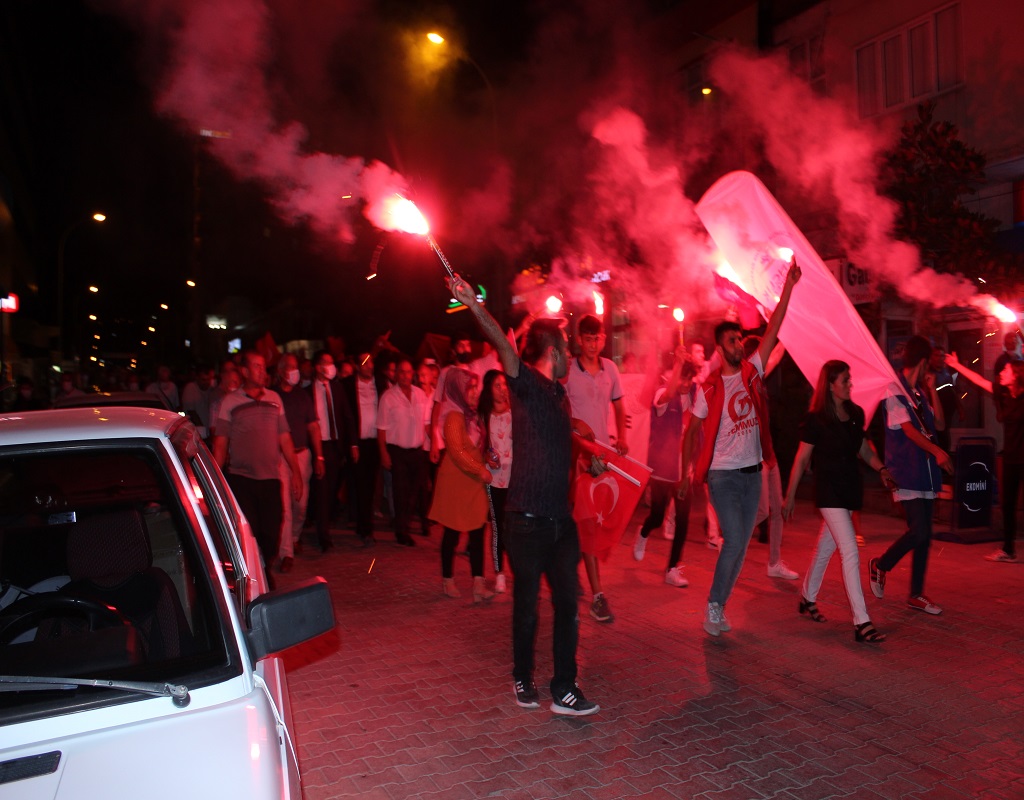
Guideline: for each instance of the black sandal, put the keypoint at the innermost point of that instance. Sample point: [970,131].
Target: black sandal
[811,609]
[865,632]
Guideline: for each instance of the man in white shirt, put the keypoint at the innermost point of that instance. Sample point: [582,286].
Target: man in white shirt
[402,421]
[732,402]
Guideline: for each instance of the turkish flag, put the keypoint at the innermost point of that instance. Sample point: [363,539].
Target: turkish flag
[266,347]
[753,232]
[603,506]
[746,306]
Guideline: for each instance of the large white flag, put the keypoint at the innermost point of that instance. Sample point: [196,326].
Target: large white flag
[755,235]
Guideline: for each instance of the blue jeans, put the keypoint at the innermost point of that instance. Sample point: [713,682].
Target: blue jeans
[735,496]
[917,538]
[539,546]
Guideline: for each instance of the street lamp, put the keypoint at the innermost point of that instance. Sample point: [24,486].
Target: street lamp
[61,245]
[437,40]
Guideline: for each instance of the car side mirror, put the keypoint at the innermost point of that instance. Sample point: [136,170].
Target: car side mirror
[287,617]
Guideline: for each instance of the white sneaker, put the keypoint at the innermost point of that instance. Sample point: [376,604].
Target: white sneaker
[499,583]
[723,623]
[713,619]
[639,547]
[780,570]
[1003,556]
[674,577]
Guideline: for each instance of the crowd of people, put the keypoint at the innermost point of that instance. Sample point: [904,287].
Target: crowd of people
[489,445]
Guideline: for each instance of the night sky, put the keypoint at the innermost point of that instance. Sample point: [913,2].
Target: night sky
[80,134]
[563,134]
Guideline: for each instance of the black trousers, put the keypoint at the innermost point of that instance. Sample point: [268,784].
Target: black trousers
[261,504]
[327,489]
[362,485]
[661,493]
[408,470]
[1013,476]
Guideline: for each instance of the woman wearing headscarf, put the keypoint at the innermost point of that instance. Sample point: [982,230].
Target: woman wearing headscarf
[460,501]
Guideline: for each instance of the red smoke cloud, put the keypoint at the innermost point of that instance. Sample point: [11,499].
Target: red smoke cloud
[596,163]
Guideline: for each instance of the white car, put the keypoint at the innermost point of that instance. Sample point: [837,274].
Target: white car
[138,640]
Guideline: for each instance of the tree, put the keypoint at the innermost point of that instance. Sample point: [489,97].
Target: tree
[928,172]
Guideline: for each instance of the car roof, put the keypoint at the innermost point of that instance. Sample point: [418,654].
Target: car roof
[144,399]
[87,424]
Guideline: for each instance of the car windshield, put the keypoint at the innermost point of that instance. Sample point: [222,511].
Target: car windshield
[102,575]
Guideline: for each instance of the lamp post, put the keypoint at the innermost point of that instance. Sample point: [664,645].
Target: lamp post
[61,246]
[437,40]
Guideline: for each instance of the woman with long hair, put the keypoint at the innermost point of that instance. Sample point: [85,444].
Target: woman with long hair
[460,503]
[495,415]
[831,438]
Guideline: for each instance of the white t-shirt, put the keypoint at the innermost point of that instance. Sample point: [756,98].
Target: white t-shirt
[738,438]
[366,394]
[501,443]
[590,394]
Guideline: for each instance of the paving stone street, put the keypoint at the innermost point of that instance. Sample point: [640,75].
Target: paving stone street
[412,696]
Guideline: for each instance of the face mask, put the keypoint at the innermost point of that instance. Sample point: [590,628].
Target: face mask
[292,376]
[463,358]
[330,371]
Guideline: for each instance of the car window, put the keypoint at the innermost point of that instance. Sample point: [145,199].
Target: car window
[102,574]
[214,500]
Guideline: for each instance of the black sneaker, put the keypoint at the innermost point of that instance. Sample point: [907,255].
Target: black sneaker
[573,704]
[526,694]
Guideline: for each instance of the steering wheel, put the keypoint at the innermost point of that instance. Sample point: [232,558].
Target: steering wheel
[29,612]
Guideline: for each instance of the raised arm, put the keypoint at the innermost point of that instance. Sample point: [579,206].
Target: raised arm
[771,334]
[970,374]
[462,292]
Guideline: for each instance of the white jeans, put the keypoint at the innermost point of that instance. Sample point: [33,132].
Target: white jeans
[770,508]
[837,529]
[293,511]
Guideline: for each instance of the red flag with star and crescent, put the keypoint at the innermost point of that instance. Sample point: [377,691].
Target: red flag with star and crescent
[603,506]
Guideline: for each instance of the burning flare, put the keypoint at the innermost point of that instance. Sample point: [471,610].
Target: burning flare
[1004,314]
[404,216]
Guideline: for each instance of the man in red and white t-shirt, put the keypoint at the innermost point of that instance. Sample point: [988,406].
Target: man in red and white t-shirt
[731,404]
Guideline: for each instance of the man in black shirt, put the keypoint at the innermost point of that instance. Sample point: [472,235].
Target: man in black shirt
[541,534]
